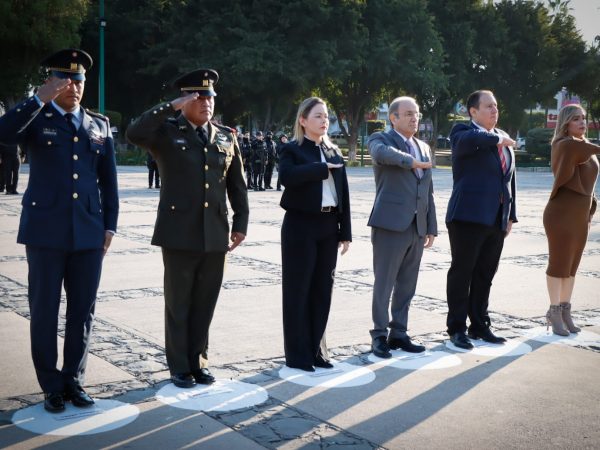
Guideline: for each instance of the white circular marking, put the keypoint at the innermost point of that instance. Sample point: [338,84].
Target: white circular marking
[417,361]
[342,375]
[583,338]
[511,347]
[222,395]
[104,415]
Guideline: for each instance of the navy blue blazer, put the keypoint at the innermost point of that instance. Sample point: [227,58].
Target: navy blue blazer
[302,173]
[71,198]
[480,188]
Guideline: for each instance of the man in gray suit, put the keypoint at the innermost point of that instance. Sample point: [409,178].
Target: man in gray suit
[403,223]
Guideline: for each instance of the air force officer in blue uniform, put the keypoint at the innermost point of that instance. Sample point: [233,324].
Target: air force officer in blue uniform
[68,218]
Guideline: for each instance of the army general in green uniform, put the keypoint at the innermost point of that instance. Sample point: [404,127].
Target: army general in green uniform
[200,165]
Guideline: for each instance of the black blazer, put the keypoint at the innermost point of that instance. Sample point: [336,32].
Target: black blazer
[302,173]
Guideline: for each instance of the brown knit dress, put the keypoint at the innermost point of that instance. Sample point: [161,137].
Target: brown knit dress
[571,204]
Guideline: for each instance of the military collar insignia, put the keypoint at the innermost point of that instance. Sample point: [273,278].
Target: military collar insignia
[182,127]
[49,114]
[221,138]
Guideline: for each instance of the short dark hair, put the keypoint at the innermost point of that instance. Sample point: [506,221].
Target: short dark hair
[473,99]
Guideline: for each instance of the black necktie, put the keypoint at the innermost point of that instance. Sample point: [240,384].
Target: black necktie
[202,135]
[69,119]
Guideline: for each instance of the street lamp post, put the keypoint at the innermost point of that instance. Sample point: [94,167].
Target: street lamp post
[101,69]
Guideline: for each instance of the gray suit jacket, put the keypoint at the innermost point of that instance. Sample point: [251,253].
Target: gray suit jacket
[399,193]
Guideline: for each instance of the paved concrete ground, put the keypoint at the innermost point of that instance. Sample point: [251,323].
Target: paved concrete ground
[549,398]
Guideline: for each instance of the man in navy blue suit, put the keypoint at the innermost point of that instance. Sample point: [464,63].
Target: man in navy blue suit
[68,218]
[480,215]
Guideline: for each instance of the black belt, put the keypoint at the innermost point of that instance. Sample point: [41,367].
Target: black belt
[329,209]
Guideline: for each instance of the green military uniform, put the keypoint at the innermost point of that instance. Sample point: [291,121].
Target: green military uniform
[192,223]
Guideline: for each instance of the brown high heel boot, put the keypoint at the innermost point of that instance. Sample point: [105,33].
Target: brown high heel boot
[567,319]
[554,318]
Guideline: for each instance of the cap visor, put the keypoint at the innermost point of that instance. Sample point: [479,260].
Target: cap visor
[66,75]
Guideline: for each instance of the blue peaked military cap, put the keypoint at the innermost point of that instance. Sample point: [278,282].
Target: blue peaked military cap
[201,81]
[68,63]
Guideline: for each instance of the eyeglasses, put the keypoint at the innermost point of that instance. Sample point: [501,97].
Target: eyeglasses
[410,115]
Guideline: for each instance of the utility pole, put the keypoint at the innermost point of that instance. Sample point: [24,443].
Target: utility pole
[101,69]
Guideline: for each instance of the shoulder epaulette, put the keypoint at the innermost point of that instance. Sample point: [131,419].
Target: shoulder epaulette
[96,114]
[224,127]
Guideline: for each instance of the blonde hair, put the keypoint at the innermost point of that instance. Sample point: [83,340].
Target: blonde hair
[565,116]
[303,111]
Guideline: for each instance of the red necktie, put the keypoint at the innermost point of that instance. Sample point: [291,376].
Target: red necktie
[502,159]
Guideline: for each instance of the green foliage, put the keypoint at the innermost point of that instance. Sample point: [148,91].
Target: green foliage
[533,120]
[538,142]
[375,125]
[29,31]
[271,54]
[130,156]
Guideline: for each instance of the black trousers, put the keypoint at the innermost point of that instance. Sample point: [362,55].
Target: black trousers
[309,245]
[11,165]
[476,251]
[249,176]
[80,273]
[278,178]
[269,173]
[153,176]
[258,172]
[192,285]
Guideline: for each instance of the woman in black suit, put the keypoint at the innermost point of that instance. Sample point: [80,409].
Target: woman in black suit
[315,225]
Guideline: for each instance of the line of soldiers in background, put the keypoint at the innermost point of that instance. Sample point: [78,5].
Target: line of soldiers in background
[260,155]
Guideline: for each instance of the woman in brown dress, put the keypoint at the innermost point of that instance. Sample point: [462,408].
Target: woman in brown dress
[569,212]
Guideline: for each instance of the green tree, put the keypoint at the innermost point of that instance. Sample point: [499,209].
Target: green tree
[381,48]
[263,49]
[455,22]
[131,27]
[29,31]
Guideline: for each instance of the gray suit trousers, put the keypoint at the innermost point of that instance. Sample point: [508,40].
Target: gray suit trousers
[396,261]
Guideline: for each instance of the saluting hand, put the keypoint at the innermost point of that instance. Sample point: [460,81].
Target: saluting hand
[236,239]
[52,88]
[180,102]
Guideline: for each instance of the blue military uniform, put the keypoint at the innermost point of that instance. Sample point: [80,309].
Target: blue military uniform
[70,202]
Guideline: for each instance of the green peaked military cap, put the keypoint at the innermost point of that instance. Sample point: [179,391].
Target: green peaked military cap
[68,63]
[201,81]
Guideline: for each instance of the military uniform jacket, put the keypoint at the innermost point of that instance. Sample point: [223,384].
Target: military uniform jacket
[196,180]
[71,198]
[259,152]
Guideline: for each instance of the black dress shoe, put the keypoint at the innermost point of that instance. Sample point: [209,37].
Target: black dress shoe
[77,396]
[301,367]
[323,363]
[54,402]
[183,380]
[461,341]
[203,376]
[405,344]
[486,335]
[380,347]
